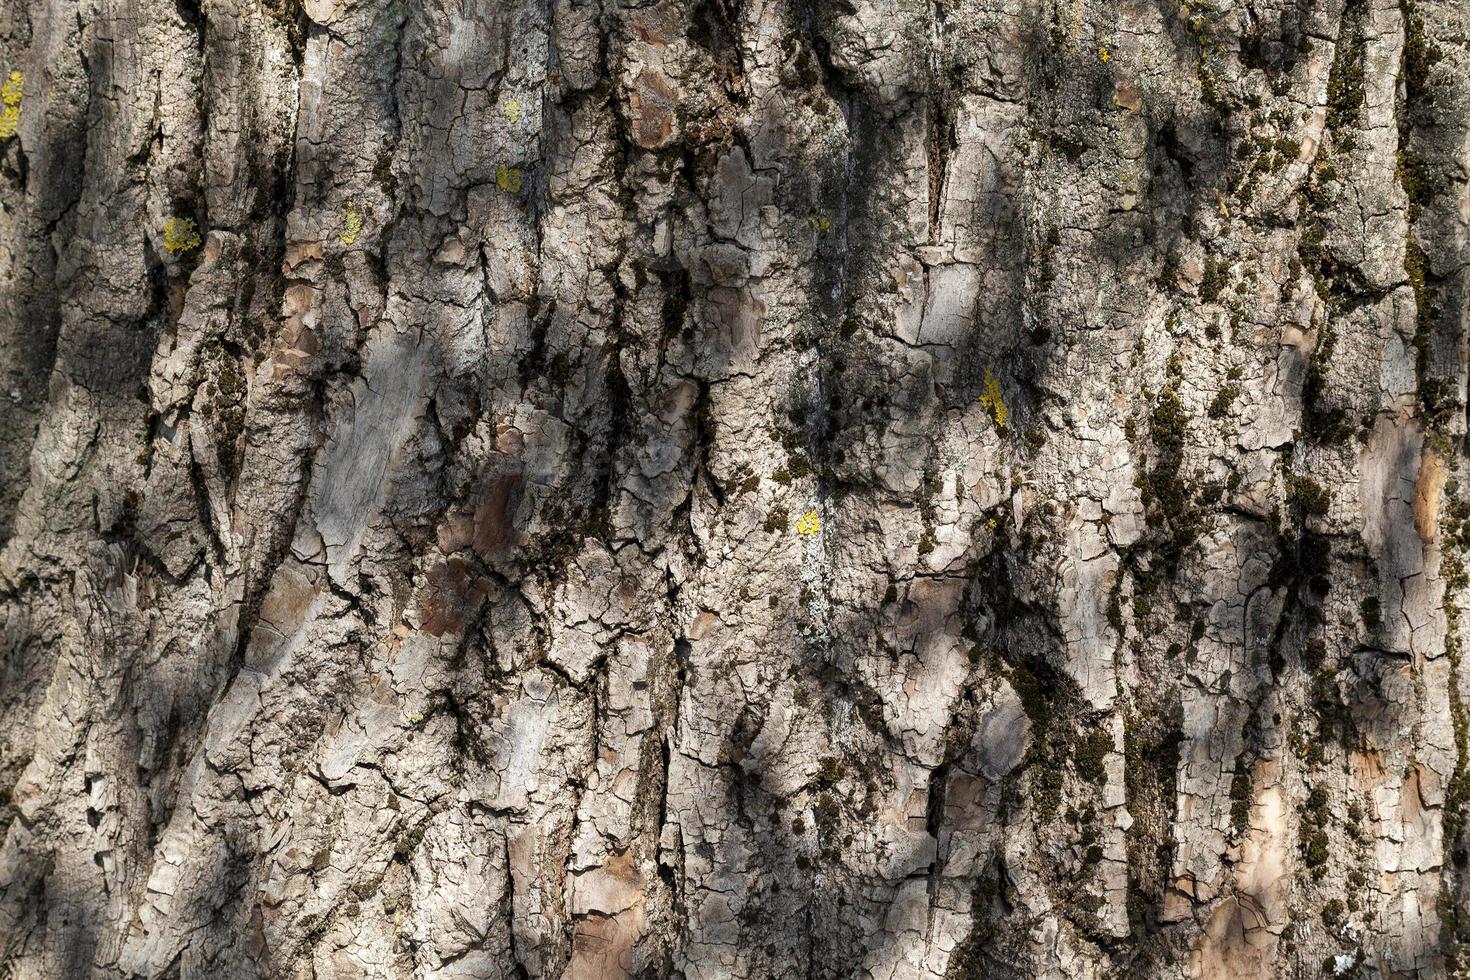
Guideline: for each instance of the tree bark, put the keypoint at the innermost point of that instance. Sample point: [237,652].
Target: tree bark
[733,488]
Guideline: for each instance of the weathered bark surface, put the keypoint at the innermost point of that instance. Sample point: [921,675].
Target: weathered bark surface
[733,488]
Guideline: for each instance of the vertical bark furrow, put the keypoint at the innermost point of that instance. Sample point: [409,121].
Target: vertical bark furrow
[733,489]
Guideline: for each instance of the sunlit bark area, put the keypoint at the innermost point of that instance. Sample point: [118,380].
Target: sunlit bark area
[753,489]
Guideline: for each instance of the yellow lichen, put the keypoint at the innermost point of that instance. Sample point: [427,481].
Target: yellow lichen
[351,224]
[1104,55]
[511,108]
[10,95]
[1224,208]
[992,400]
[508,179]
[180,235]
[808,524]
[820,222]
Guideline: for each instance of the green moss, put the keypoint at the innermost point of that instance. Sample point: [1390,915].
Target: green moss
[1035,699]
[1215,278]
[1240,798]
[1314,842]
[1415,268]
[1345,90]
[1168,271]
[1332,914]
[1209,87]
[828,813]
[1046,786]
[1310,498]
[1040,690]
[777,520]
[1421,54]
[1224,398]
[1321,423]
[1169,426]
[1415,178]
[1092,755]
[1152,737]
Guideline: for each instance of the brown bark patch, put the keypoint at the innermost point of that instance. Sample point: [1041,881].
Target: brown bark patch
[288,602]
[451,595]
[493,528]
[1427,491]
[1127,95]
[298,341]
[704,624]
[652,102]
[610,899]
[653,31]
[489,530]
[1236,942]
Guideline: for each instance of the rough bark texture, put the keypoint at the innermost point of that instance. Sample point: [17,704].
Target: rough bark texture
[733,488]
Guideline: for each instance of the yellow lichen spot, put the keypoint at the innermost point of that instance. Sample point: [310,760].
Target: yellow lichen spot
[180,235]
[10,95]
[808,524]
[1104,55]
[508,179]
[820,222]
[351,224]
[1224,208]
[511,108]
[994,401]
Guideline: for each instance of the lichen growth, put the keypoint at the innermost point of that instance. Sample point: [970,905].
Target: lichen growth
[809,524]
[11,93]
[351,224]
[508,179]
[511,109]
[180,235]
[993,401]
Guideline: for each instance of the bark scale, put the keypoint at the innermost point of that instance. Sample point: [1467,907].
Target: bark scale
[738,488]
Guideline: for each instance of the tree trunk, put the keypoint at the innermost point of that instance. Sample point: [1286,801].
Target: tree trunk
[733,488]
